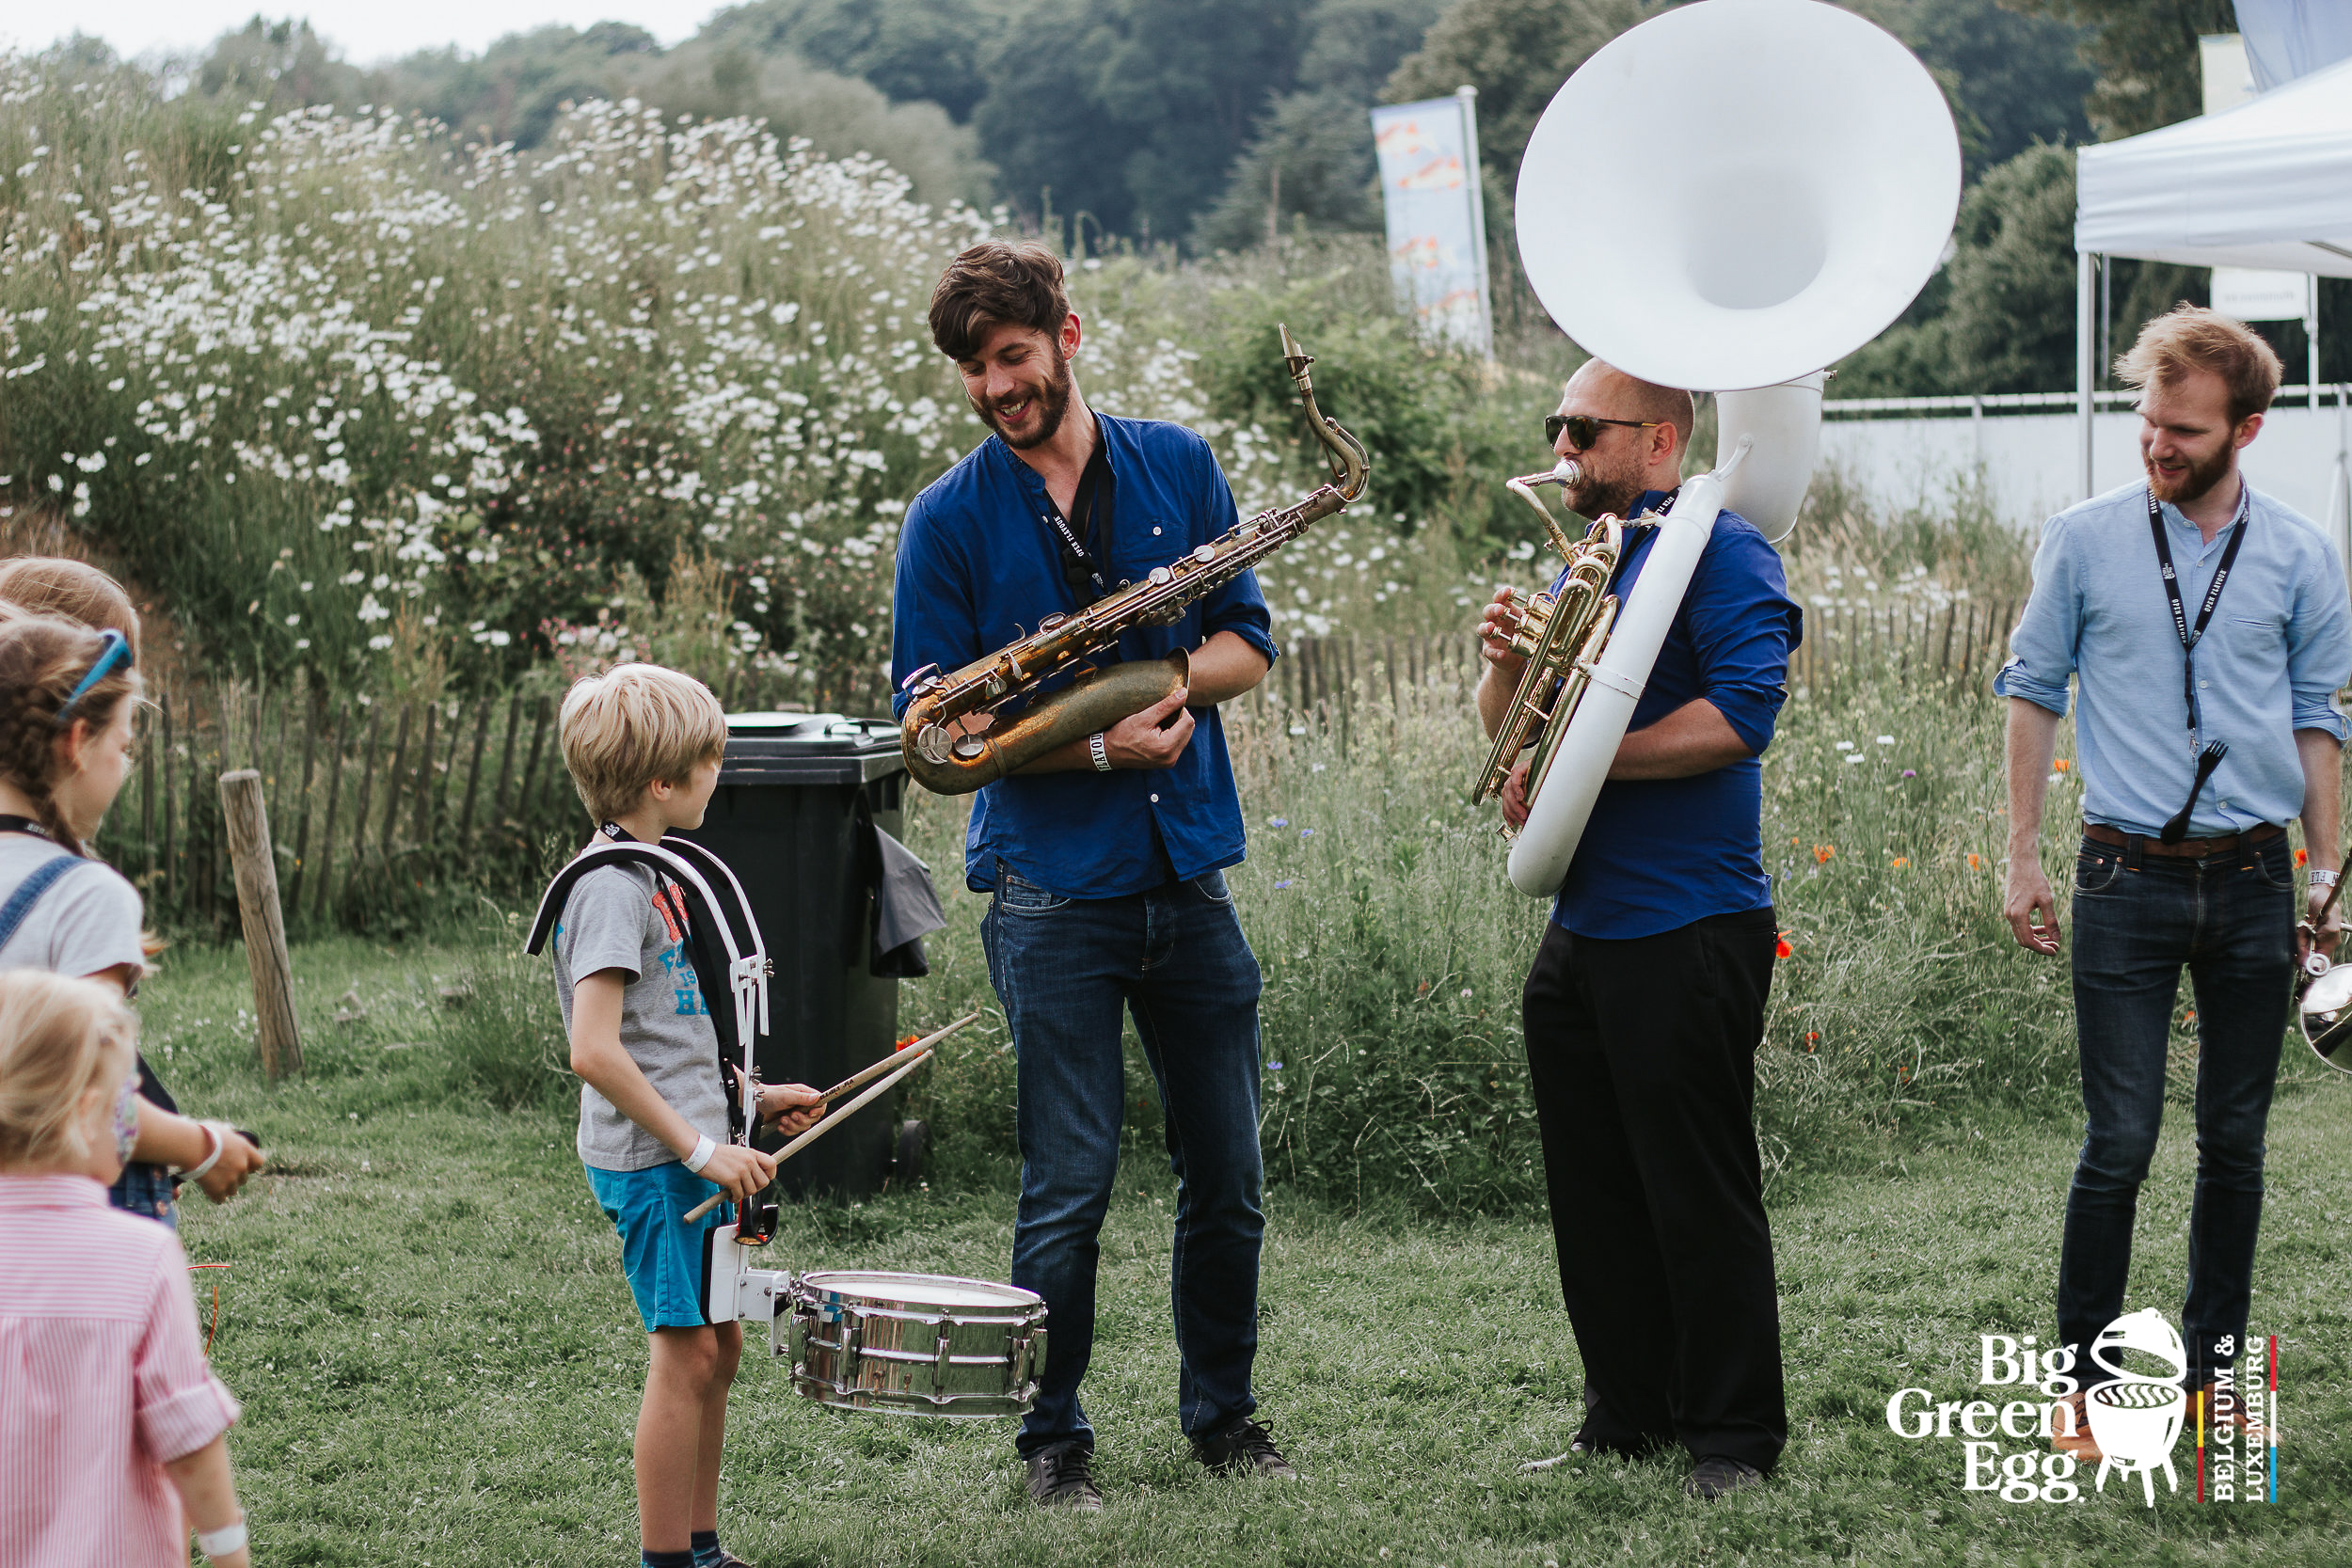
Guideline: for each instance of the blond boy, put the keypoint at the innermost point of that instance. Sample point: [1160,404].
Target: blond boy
[643,744]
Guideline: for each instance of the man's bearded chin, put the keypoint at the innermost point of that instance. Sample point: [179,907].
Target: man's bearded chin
[1596,493]
[1053,405]
[2201,478]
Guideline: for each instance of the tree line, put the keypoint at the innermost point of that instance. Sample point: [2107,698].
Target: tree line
[1206,125]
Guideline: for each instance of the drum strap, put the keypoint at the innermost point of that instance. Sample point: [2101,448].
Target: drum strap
[721,941]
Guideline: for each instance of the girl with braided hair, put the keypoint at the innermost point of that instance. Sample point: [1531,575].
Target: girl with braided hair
[67,696]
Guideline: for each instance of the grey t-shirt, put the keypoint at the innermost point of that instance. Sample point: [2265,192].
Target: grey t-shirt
[86,923]
[613,920]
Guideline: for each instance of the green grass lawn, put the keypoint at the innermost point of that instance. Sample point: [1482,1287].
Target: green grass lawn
[426,1320]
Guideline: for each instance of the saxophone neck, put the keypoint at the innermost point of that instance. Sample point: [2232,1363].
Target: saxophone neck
[1351,465]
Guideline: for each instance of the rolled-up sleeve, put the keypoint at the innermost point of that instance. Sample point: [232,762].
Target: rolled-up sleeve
[2319,645]
[931,616]
[1237,606]
[180,1404]
[1742,627]
[2042,647]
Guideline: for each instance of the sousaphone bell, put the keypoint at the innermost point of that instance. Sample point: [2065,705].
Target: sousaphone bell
[2323,996]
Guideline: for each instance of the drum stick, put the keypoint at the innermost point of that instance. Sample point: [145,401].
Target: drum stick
[706,1205]
[873,1069]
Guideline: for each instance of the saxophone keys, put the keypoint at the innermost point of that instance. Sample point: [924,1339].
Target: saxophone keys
[1204,554]
[934,742]
[1161,574]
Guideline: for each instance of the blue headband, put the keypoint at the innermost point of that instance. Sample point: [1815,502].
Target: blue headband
[114,651]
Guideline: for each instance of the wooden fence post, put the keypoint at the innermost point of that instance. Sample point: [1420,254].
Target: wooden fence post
[425,781]
[359,817]
[506,757]
[246,821]
[473,773]
[302,818]
[391,784]
[172,870]
[335,736]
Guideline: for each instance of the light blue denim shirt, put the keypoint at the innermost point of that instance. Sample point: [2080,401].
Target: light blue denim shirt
[2277,647]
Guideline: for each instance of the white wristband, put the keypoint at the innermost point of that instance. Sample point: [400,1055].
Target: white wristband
[219,1143]
[704,1150]
[220,1543]
[1102,757]
[2321,878]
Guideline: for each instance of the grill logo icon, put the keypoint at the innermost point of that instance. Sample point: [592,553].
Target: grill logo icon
[2137,1417]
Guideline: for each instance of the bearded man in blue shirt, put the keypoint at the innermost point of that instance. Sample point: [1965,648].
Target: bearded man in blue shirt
[2188,780]
[1106,858]
[1646,1005]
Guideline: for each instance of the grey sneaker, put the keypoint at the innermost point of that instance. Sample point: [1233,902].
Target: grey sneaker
[1062,1476]
[1717,1475]
[1246,1447]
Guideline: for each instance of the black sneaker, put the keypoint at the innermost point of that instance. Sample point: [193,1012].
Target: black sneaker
[1247,1447]
[1062,1476]
[1717,1475]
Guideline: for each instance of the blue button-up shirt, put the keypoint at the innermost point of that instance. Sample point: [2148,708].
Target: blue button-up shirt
[979,565]
[1661,853]
[2278,645]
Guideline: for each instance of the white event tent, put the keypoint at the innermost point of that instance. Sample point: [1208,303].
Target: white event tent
[2265,185]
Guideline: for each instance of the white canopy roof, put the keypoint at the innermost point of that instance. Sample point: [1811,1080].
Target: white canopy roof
[2265,185]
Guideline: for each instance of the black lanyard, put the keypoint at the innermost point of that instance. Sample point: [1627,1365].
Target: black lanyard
[12,823]
[1078,567]
[2190,636]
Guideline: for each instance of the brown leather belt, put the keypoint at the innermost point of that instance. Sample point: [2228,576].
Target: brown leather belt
[2188,849]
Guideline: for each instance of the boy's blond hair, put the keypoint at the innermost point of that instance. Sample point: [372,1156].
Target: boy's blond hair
[2191,338]
[60,1037]
[634,725]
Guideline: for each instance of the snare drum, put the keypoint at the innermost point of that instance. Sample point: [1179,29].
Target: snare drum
[919,1344]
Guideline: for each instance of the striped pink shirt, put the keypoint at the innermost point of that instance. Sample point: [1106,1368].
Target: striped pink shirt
[103,1378]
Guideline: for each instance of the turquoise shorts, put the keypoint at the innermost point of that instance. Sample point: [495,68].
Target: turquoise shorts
[661,1254]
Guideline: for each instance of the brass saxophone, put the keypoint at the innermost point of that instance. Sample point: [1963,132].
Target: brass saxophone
[947,757]
[1561,636]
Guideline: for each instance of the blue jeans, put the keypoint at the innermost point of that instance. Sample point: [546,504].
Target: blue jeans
[2230,919]
[1175,957]
[147,1190]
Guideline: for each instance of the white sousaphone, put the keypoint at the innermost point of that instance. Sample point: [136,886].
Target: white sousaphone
[1726,197]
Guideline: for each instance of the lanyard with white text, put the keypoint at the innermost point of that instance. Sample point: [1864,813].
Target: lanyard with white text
[1078,565]
[2190,636]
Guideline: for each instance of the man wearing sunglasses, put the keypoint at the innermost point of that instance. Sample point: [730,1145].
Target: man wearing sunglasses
[1646,1005]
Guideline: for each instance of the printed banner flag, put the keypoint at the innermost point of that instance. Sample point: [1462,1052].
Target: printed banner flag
[1436,218]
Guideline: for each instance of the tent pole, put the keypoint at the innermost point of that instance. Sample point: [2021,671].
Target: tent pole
[2310,337]
[2085,264]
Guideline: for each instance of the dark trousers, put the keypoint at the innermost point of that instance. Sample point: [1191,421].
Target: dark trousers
[1065,968]
[1643,1057]
[2231,920]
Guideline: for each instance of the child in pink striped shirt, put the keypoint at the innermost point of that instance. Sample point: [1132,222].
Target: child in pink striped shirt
[111,1424]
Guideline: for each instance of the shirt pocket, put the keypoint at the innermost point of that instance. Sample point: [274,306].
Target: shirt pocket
[2256,633]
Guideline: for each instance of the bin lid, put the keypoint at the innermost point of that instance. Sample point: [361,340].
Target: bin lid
[792,748]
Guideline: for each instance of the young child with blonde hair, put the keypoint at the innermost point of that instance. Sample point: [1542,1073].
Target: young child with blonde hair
[69,689]
[643,744]
[111,1422]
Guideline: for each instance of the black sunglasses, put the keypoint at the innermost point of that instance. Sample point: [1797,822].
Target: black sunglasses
[1584,429]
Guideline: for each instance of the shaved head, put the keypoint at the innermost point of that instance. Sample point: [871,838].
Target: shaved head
[1632,398]
[1623,461]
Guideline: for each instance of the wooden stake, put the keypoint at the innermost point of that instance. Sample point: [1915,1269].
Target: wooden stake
[246,821]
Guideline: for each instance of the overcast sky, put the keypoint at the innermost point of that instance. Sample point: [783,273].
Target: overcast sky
[363,30]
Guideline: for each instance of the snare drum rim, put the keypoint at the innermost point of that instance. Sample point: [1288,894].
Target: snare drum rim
[816,1288]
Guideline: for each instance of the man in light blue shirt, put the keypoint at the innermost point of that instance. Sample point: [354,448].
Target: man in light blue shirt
[2207,628]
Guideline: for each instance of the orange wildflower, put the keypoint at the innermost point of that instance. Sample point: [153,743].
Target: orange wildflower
[1821,852]
[1901,863]
[2302,857]
[1781,948]
[1975,863]
[2063,764]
